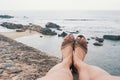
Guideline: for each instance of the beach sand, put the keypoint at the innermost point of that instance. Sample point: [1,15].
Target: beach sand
[14,34]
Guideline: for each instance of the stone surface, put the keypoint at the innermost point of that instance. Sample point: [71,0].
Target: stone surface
[11,25]
[112,37]
[99,39]
[23,28]
[28,63]
[8,64]
[14,70]
[52,25]
[1,71]
[6,16]
[20,30]
[47,31]
[75,32]
[63,34]
[97,44]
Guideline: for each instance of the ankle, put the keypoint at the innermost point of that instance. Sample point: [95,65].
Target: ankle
[67,61]
[76,65]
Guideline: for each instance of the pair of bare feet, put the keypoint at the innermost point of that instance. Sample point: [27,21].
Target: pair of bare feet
[74,50]
[73,53]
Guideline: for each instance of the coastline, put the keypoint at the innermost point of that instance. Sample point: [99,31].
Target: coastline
[14,34]
[19,61]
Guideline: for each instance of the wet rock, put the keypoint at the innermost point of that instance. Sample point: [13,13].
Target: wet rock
[52,25]
[97,44]
[47,31]
[11,25]
[88,39]
[20,27]
[76,32]
[6,16]
[59,29]
[99,39]
[63,34]
[112,37]
[93,37]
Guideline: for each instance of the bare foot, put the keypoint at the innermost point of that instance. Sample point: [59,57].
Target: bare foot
[67,48]
[80,50]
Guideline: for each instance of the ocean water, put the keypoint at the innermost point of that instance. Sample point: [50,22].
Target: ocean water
[88,23]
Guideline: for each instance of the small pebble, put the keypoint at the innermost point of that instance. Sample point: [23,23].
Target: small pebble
[1,71]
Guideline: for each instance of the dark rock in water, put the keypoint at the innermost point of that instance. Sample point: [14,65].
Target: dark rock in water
[47,31]
[88,38]
[6,16]
[97,44]
[63,34]
[76,32]
[99,39]
[112,37]
[12,25]
[41,36]
[52,25]
[20,27]
[59,29]
[93,37]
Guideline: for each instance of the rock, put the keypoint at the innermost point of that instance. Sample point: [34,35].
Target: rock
[41,36]
[88,39]
[11,25]
[14,70]
[63,34]
[59,29]
[6,16]
[2,66]
[30,63]
[52,25]
[97,44]
[35,27]
[1,71]
[47,31]
[93,37]
[76,32]
[8,64]
[20,27]
[20,30]
[112,37]
[99,39]
[25,17]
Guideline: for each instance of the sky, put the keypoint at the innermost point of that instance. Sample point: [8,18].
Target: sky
[59,4]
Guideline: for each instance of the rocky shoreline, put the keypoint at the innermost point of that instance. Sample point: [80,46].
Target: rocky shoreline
[21,62]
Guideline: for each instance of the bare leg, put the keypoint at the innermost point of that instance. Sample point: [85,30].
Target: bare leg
[62,70]
[85,71]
